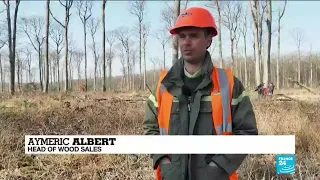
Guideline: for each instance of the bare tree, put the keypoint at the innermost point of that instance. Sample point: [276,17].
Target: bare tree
[111,37]
[132,63]
[123,35]
[93,24]
[145,34]
[231,14]
[137,8]
[12,40]
[169,16]
[163,36]
[266,67]
[280,15]
[18,67]
[261,15]
[28,54]
[3,39]
[216,4]
[255,9]
[298,38]
[33,27]
[47,47]
[311,67]
[104,44]
[157,64]
[120,52]
[78,58]
[72,52]
[67,6]
[85,12]
[243,30]
[57,36]
[1,73]
[52,67]
[175,44]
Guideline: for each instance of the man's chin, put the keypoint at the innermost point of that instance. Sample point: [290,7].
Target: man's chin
[190,59]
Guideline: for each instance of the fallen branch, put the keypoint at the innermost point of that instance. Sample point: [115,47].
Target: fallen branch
[301,85]
[285,96]
[119,99]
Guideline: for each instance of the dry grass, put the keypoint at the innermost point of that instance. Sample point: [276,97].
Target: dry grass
[112,113]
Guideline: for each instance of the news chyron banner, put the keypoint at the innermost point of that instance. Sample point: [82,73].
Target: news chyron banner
[139,144]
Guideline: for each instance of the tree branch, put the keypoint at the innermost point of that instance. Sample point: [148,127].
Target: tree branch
[56,19]
[284,8]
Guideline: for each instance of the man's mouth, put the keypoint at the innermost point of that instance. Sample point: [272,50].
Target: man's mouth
[188,51]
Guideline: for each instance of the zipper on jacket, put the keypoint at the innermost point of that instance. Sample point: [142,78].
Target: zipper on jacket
[186,92]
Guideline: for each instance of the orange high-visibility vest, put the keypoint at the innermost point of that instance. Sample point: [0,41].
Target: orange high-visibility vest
[221,97]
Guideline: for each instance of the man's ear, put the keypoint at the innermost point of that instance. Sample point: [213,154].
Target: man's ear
[209,41]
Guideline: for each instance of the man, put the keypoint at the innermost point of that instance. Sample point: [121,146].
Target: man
[196,98]
[260,89]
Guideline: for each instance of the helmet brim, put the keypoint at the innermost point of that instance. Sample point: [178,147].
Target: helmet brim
[175,30]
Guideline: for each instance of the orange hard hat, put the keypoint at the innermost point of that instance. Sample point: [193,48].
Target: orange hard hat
[196,17]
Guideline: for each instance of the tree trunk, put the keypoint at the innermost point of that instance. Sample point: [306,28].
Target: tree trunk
[145,66]
[278,59]
[232,52]
[103,47]
[66,87]
[140,54]
[70,72]
[1,74]
[110,71]
[164,56]
[299,69]
[219,34]
[95,63]
[266,67]
[18,72]
[254,8]
[245,62]
[85,54]
[47,49]
[58,69]
[175,50]
[11,52]
[128,73]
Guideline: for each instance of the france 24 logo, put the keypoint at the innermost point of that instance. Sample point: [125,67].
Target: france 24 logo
[285,164]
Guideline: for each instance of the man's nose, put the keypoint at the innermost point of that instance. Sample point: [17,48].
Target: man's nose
[186,40]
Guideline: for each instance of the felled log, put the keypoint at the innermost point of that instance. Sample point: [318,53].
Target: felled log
[301,85]
[287,97]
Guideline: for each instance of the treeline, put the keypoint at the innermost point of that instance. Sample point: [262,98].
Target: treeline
[59,62]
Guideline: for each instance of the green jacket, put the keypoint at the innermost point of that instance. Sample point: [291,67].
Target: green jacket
[199,122]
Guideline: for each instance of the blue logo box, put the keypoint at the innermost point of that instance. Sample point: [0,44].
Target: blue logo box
[285,164]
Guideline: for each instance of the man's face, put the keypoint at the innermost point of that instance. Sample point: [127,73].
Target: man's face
[193,44]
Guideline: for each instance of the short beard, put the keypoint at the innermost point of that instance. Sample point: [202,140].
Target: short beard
[198,60]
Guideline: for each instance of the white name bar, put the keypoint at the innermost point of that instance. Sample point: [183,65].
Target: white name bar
[137,144]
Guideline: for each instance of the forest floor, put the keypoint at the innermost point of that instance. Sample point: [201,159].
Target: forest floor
[122,113]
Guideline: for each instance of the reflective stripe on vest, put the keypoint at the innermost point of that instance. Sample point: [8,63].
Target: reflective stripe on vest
[220,101]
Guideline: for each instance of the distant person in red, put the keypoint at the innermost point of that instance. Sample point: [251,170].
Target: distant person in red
[266,91]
